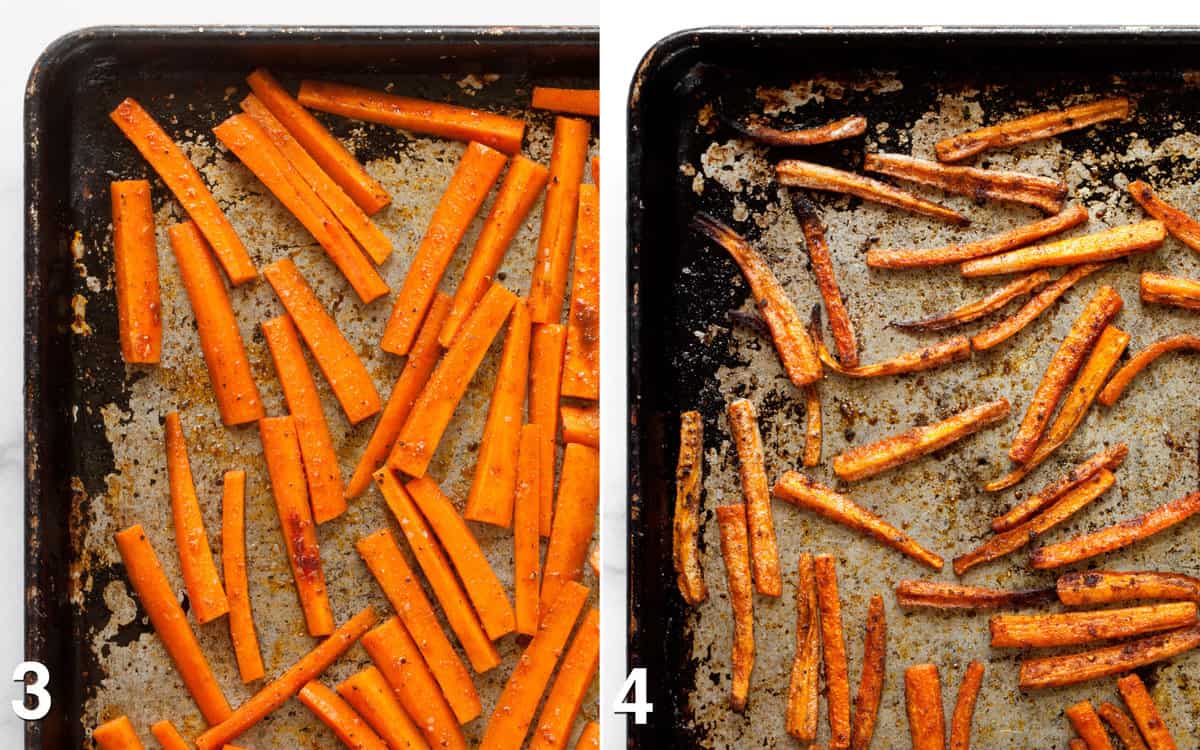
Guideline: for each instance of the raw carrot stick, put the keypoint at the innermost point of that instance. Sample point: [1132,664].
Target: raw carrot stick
[158,600]
[135,257]
[1122,726]
[1108,244]
[518,192]
[431,412]
[1031,128]
[1073,628]
[418,115]
[926,717]
[196,560]
[574,520]
[251,144]
[1118,536]
[417,368]
[482,586]
[1145,713]
[117,734]
[572,101]
[547,349]
[316,446]
[804,174]
[233,559]
[685,531]
[1069,669]
[350,214]
[339,716]
[589,738]
[596,169]
[568,158]
[940,595]
[1163,289]
[837,676]
[764,553]
[822,265]
[1142,360]
[509,723]
[274,695]
[372,697]
[1085,721]
[870,686]
[281,448]
[183,179]
[472,181]
[490,499]
[406,595]
[964,707]
[333,157]
[735,552]
[1002,331]
[581,367]
[1184,227]
[812,425]
[803,695]
[527,577]
[168,736]
[579,667]
[580,424]
[1093,587]
[339,363]
[220,338]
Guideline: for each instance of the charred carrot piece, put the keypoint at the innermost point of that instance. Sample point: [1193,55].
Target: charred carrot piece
[158,600]
[1109,458]
[764,553]
[1031,128]
[589,738]
[233,560]
[184,181]
[1142,360]
[689,481]
[1118,536]
[925,358]
[1179,224]
[547,350]
[1085,721]
[812,425]
[1074,628]
[992,184]
[228,366]
[926,718]
[979,308]
[584,102]
[1109,244]
[117,734]
[168,736]
[1145,713]
[580,424]
[581,363]
[870,686]
[335,713]
[803,691]
[574,520]
[527,577]
[417,115]
[868,460]
[274,695]
[833,644]
[964,707]
[568,159]
[575,676]
[333,157]
[803,174]
[756,129]
[940,595]
[844,339]
[1162,289]
[135,258]
[735,551]
[1093,587]
[477,171]
[1002,331]
[1122,726]
[369,694]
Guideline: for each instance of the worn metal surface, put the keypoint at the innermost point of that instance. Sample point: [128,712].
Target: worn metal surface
[111,451]
[915,89]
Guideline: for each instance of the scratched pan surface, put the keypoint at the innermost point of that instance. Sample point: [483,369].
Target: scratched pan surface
[95,458]
[915,88]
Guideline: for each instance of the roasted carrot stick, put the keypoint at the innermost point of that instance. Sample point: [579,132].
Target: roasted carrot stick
[803,694]
[568,159]
[689,482]
[1073,628]
[316,446]
[339,363]
[1142,360]
[419,116]
[991,184]
[117,734]
[589,738]
[940,595]
[1109,244]
[1056,671]
[184,180]
[527,576]
[574,520]
[735,551]
[333,157]
[545,381]
[523,692]
[1093,587]
[580,424]
[926,717]
[870,459]
[964,707]
[581,363]
[575,676]
[338,715]
[518,192]
[135,258]
[1183,227]
[274,695]
[1031,128]
[1159,288]
[1145,713]
[168,736]
[251,144]
[795,348]
[979,308]
[803,492]
[812,425]
[1122,726]
[372,697]
[228,366]
[490,499]
[281,448]
[572,101]
[1002,331]
[477,171]
[844,339]
[837,676]
[756,493]
[1085,721]
[1117,536]
[158,600]
[803,174]
[942,353]
[233,559]
[870,686]
[756,129]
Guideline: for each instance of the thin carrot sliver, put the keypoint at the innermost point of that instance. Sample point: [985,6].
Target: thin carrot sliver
[168,736]
[568,158]
[545,379]
[579,666]
[335,713]
[581,366]
[596,169]
[233,560]
[580,424]
[135,261]
[574,521]
[833,643]
[589,738]
[372,697]
[527,576]
[117,734]
[572,101]
[964,707]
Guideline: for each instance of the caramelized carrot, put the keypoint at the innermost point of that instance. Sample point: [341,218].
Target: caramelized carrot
[1145,713]
[926,717]
[1183,227]
[168,736]
[581,367]
[1041,192]
[964,707]
[117,734]
[545,379]
[568,159]
[575,676]
[1085,721]
[1162,289]
[831,296]
[1074,628]
[812,425]
[756,129]
[979,308]
[735,551]
[572,101]
[574,520]
[339,716]
[870,686]
[1109,244]
[1031,128]
[580,424]
[527,576]
[956,596]
[946,352]
[1002,331]
[1093,587]
[372,697]
[689,480]
[1118,536]
[1109,458]
[764,553]
[233,559]
[1121,725]
[803,694]
[1070,669]
[803,174]
[1142,360]
[135,258]
[833,643]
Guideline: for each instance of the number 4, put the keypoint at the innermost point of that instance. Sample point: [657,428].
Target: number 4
[36,689]
[639,707]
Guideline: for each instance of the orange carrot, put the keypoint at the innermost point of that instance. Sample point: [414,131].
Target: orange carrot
[812,425]
[821,261]
[589,738]
[527,576]
[567,161]
[320,143]
[157,596]
[139,305]
[1184,227]
[1164,289]
[1142,360]
[572,101]
[1121,725]
[281,448]
[1145,713]
[233,559]
[545,371]
[870,686]
[183,179]
[117,734]
[372,697]
[472,181]
[964,707]
[735,552]
[596,169]
[220,339]
[1085,721]
[1069,669]
[926,717]
[339,363]
[565,698]
[574,520]
[580,424]
[195,556]
[1003,330]
[168,736]
[339,716]
[833,643]
[581,368]
[764,553]
[1031,128]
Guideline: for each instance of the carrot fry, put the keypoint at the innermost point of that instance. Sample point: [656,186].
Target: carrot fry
[1179,224]
[416,115]
[579,667]
[431,413]
[689,481]
[545,380]
[964,707]
[1109,244]
[1085,721]
[417,368]
[1071,216]
[803,174]
[1031,128]
[1162,289]
[1002,331]
[574,520]
[979,184]
[803,692]
[289,683]
[339,363]
[401,587]
[735,552]
[764,554]
[228,366]
[1073,628]
[812,425]
[117,734]
[1142,360]
[1077,744]
[372,697]
[870,459]
[251,144]
[926,717]
[945,352]
[518,192]
[1122,726]
[333,157]
[490,499]
[184,181]
[837,676]
[755,129]
[568,159]
[870,686]
[803,492]
[338,715]
[1093,587]
[158,600]
[350,214]
[477,171]
[527,577]
[233,559]
[795,348]
[581,365]
[1056,671]
[135,257]
[168,736]
[580,424]
[822,264]
[974,310]
[1118,536]
[584,102]
[523,692]
[940,595]
[589,738]
[395,654]
[1145,713]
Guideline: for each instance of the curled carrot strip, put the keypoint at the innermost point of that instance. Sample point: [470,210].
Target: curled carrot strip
[1142,360]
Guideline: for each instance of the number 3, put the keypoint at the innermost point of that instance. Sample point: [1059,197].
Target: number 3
[36,689]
